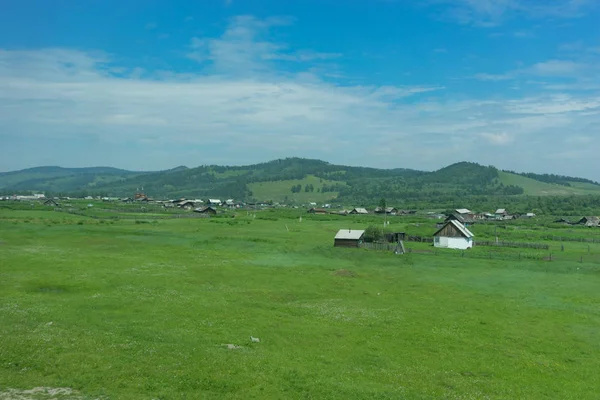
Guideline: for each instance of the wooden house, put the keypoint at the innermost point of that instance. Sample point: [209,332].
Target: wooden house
[501,213]
[187,204]
[387,210]
[206,210]
[51,202]
[348,238]
[589,221]
[358,210]
[317,211]
[464,219]
[453,235]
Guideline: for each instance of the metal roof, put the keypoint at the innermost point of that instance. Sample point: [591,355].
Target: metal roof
[349,234]
[361,210]
[463,211]
[501,211]
[461,228]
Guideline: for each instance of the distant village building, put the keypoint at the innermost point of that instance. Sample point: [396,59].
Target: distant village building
[464,219]
[206,210]
[589,222]
[51,202]
[317,211]
[348,238]
[453,235]
[501,213]
[187,204]
[214,202]
[359,210]
[387,210]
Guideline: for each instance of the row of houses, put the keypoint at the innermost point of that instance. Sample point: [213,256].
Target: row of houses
[452,235]
[589,221]
[362,211]
[467,217]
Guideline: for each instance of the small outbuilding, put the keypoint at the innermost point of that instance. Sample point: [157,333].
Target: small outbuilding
[348,238]
[453,235]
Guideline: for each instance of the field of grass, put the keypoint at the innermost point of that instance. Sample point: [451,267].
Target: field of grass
[281,190]
[115,309]
[537,188]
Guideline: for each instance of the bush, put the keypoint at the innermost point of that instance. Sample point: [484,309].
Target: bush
[373,234]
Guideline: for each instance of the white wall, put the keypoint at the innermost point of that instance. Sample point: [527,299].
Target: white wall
[453,242]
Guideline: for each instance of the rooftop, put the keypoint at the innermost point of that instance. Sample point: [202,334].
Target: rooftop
[349,234]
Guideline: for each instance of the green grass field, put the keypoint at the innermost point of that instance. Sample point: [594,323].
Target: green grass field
[115,309]
[537,188]
[281,190]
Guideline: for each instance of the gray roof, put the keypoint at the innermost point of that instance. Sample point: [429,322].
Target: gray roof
[349,234]
[361,210]
[501,211]
[463,211]
[461,228]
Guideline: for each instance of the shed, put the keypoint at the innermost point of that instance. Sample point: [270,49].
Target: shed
[453,235]
[395,237]
[348,238]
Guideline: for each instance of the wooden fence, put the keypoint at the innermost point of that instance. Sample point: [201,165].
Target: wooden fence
[571,239]
[522,245]
[379,246]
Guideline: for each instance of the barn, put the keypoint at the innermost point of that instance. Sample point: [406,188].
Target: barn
[453,235]
[348,238]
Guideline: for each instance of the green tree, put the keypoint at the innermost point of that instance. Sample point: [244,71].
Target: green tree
[382,204]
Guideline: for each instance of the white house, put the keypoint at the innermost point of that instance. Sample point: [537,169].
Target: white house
[453,235]
[215,202]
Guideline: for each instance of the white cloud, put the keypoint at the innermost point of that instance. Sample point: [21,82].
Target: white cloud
[557,68]
[491,13]
[493,77]
[501,138]
[254,112]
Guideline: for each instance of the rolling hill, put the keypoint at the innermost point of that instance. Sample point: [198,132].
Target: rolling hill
[298,180]
[58,179]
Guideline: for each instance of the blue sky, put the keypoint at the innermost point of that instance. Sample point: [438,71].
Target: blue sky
[416,84]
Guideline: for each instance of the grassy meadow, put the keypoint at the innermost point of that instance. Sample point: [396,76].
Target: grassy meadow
[281,190]
[164,308]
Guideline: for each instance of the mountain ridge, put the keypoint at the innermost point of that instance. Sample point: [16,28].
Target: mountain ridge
[280,179]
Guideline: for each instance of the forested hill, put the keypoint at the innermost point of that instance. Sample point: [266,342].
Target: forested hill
[296,180]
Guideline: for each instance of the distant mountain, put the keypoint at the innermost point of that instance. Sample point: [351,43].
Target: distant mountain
[298,180]
[58,179]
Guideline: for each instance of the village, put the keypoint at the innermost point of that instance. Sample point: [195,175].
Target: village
[453,229]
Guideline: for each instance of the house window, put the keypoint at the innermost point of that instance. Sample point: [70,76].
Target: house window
[436,239]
